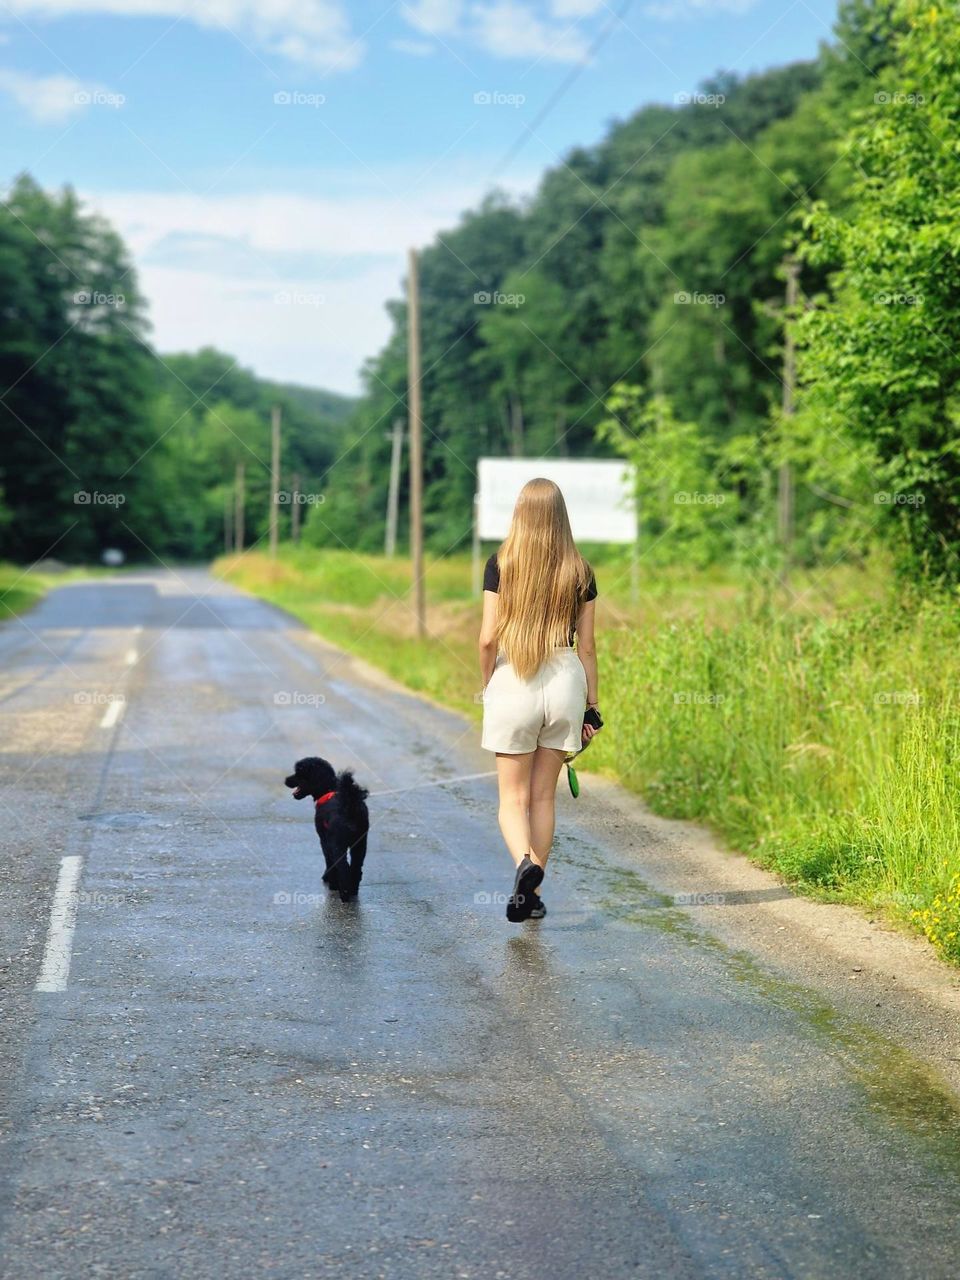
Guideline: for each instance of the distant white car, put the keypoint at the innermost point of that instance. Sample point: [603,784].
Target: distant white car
[113,557]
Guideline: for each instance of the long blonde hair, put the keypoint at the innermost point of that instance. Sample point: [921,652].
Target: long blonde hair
[543,578]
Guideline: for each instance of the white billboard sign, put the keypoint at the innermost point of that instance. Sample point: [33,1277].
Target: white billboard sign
[598,494]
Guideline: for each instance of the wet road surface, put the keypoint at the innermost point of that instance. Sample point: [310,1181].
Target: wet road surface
[227,1073]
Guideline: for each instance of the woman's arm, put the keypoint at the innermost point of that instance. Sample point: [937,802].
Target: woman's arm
[587,653]
[488,637]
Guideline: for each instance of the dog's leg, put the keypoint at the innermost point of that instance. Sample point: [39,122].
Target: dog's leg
[357,854]
[331,874]
[346,876]
[338,868]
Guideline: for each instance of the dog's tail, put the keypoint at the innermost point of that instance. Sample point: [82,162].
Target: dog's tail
[351,794]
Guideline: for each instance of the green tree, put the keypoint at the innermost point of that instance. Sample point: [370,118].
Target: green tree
[879,361]
[75,365]
[688,503]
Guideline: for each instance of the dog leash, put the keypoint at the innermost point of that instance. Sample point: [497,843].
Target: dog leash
[572,780]
[596,724]
[470,777]
[434,782]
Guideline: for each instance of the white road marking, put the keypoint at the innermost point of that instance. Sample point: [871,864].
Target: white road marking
[55,969]
[113,713]
[131,657]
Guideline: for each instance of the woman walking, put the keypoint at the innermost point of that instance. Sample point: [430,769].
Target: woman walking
[538,597]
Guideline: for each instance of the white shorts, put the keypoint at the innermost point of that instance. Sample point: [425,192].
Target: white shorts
[544,711]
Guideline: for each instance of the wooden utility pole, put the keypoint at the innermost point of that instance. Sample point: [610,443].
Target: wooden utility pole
[393,493]
[275,483]
[516,426]
[238,501]
[295,509]
[635,544]
[475,548]
[785,481]
[227,531]
[414,405]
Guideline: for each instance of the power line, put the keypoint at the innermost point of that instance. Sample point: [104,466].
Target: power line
[568,81]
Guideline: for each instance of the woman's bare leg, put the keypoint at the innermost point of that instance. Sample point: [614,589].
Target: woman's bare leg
[513,777]
[547,763]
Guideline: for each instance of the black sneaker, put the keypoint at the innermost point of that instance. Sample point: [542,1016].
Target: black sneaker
[539,908]
[521,901]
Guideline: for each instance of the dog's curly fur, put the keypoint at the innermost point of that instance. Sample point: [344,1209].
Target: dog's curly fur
[342,822]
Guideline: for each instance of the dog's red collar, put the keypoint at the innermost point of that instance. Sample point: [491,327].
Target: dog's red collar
[323,799]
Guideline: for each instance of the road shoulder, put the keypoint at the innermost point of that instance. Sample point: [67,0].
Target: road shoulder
[885,976]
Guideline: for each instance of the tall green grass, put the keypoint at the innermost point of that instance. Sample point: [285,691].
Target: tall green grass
[825,747]
[817,732]
[19,590]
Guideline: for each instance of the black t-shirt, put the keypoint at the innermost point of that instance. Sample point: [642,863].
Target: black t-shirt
[491,582]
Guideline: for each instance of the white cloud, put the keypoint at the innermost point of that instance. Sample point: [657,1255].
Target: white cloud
[575,8]
[434,17]
[369,221]
[51,99]
[315,332]
[296,285]
[507,28]
[511,30]
[315,33]
[670,10]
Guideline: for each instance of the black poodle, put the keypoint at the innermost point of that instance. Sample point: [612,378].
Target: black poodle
[341,820]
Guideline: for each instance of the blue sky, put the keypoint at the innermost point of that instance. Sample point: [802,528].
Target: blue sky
[269,161]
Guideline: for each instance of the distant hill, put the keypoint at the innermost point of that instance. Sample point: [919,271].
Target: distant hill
[326,404]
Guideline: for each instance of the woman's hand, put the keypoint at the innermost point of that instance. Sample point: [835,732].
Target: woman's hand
[588,731]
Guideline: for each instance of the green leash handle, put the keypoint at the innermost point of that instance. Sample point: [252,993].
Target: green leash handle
[572,780]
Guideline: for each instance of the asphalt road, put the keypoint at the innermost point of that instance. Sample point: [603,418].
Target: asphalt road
[242,1077]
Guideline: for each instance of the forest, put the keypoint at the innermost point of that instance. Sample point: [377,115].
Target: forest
[636,304]
[107,443]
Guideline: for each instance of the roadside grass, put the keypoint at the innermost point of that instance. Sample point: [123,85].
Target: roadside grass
[21,589]
[816,729]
